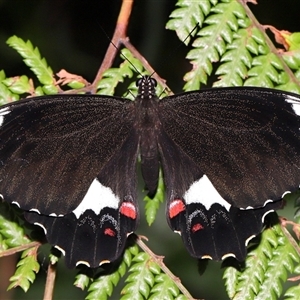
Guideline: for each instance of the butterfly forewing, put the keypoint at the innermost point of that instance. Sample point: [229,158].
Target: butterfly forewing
[223,152]
[73,157]
[53,148]
[246,140]
[228,157]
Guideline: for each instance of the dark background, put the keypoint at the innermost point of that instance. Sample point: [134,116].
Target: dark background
[69,34]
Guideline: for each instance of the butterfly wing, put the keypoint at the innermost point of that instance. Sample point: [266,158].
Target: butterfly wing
[228,148]
[65,160]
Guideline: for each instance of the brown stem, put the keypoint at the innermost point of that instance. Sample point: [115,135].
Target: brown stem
[268,41]
[49,287]
[19,249]
[290,238]
[119,35]
[145,64]
[159,261]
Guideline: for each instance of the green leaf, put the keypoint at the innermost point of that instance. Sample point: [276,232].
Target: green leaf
[293,40]
[18,85]
[26,271]
[292,59]
[231,276]
[265,71]
[164,288]
[82,281]
[103,286]
[113,76]
[289,87]
[33,59]
[212,42]
[189,14]
[266,268]
[6,95]
[237,60]
[76,84]
[3,245]
[10,229]
[129,255]
[141,278]
[292,293]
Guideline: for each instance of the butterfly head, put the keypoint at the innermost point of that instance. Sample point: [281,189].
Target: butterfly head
[146,87]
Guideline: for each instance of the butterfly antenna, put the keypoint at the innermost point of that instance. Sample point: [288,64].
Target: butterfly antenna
[191,32]
[119,50]
[187,37]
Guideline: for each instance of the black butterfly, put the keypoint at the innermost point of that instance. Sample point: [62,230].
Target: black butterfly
[228,156]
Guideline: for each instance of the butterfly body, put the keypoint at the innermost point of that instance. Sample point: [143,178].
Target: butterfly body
[228,155]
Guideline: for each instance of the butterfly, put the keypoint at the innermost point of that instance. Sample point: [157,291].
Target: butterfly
[228,155]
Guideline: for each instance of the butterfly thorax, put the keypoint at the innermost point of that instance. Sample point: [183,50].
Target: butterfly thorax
[147,126]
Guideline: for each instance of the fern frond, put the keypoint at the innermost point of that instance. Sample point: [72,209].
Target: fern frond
[219,31]
[37,64]
[265,71]
[189,14]
[165,288]
[266,268]
[292,293]
[113,76]
[19,85]
[6,95]
[103,286]
[27,268]
[236,60]
[10,229]
[292,59]
[141,278]
[82,281]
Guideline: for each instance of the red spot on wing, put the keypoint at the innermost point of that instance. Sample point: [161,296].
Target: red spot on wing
[110,232]
[176,207]
[128,209]
[197,227]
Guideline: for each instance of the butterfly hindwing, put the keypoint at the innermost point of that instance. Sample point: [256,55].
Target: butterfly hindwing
[73,171]
[228,157]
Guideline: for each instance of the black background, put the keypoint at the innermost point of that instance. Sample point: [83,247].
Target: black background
[70,34]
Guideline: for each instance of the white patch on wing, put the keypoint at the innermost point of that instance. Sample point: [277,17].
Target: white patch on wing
[104,262]
[228,255]
[56,216]
[4,111]
[206,257]
[295,101]
[42,226]
[203,191]
[285,193]
[248,207]
[83,262]
[97,197]
[251,207]
[16,203]
[248,240]
[265,214]
[61,250]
